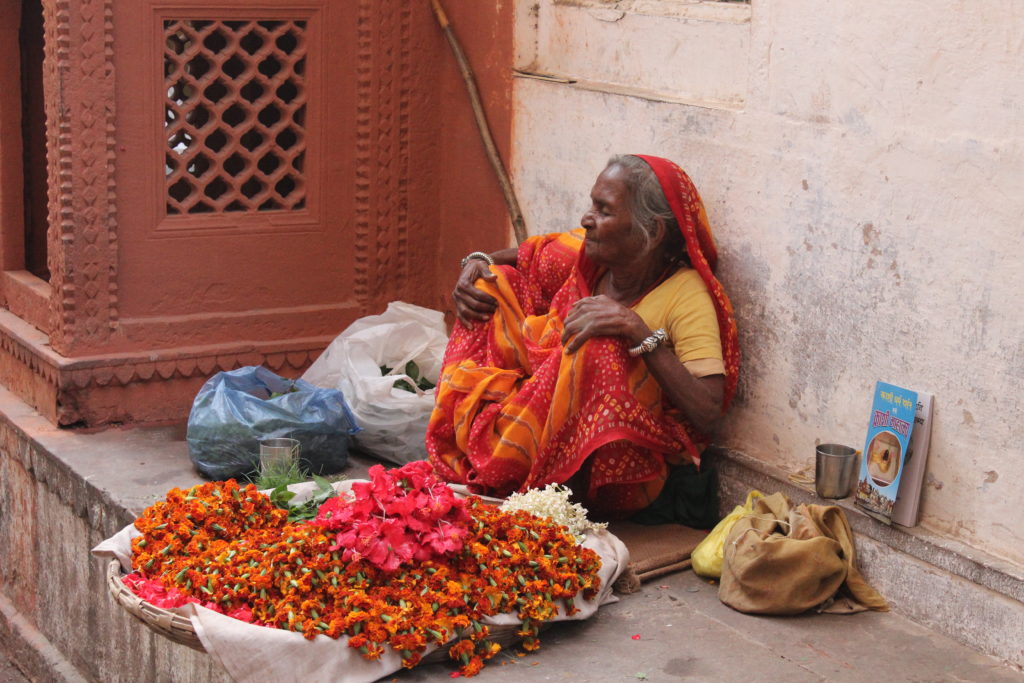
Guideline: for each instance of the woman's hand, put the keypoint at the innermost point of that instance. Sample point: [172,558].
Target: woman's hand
[472,304]
[601,316]
[699,400]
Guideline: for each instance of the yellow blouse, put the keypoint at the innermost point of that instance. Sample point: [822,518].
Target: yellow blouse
[682,305]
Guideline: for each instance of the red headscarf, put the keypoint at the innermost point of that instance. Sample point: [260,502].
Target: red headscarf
[689,211]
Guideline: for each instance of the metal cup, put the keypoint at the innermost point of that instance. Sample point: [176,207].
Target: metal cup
[834,467]
[278,455]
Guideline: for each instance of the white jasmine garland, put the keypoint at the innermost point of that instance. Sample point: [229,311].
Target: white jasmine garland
[553,501]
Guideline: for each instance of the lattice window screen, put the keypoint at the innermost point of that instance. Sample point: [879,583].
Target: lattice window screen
[234,115]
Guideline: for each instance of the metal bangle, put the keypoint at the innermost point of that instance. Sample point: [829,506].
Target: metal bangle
[477,255]
[658,337]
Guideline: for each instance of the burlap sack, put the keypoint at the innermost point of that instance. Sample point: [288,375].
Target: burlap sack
[785,560]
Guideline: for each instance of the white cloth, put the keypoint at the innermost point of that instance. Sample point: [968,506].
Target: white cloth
[261,653]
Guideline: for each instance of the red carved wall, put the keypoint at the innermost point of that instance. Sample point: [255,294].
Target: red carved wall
[197,227]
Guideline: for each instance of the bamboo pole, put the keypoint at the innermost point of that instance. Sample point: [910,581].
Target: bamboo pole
[518,224]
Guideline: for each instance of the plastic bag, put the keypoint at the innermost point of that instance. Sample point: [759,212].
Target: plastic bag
[707,557]
[234,410]
[393,420]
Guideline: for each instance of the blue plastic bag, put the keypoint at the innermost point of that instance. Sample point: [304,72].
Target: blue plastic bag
[235,410]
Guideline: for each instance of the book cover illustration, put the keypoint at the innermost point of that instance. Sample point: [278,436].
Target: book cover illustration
[885,450]
[906,511]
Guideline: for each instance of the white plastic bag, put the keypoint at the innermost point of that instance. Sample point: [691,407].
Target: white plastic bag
[393,421]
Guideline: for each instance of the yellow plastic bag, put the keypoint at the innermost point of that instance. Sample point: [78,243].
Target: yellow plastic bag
[707,556]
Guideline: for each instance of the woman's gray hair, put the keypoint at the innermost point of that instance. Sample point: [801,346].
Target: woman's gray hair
[647,203]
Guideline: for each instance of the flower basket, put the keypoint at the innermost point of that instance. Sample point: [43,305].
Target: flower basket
[250,651]
[168,624]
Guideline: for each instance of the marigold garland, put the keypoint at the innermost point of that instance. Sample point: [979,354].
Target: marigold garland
[229,547]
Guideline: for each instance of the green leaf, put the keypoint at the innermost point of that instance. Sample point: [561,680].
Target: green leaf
[281,495]
[309,509]
[402,384]
[324,490]
[412,370]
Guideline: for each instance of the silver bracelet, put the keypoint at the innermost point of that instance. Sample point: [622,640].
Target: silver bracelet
[477,255]
[658,337]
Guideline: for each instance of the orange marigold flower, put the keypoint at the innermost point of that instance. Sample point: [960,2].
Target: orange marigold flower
[228,547]
[490,648]
[472,668]
[462,647]
[411,660]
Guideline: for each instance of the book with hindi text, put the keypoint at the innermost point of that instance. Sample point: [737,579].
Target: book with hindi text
[885,451]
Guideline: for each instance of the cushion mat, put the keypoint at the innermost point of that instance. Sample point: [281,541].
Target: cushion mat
[654,551]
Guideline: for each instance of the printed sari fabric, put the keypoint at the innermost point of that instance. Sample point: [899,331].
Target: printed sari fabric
[513,411]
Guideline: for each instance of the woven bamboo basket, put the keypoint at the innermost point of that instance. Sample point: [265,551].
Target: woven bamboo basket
[168,624]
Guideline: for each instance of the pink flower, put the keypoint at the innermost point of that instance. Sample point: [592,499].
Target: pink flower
[419,473]
[381,486]
[156,594]
[406,505]
[446,538]
[400,514]
[333,513]
[242,613]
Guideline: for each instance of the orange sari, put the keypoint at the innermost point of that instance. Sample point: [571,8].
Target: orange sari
[513,411]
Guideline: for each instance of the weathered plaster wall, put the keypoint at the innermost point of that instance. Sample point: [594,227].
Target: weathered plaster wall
[57,619]
[865,186]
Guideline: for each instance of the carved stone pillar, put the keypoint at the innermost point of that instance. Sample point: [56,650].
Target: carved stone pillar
[82,250]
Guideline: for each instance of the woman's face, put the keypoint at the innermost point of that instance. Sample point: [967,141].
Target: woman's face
[610,238]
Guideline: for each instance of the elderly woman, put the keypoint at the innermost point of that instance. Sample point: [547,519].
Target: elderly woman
[596,357]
